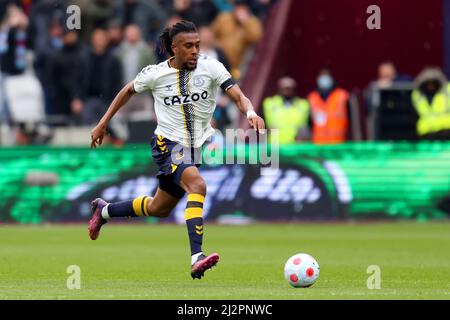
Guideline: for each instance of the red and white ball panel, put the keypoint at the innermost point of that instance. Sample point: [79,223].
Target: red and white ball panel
[301,270]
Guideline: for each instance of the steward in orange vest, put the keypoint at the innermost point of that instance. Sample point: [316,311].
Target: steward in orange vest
[329,111]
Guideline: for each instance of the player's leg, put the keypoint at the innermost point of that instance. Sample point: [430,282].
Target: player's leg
[165,199]
[158,206]
[162,204]
[195,186]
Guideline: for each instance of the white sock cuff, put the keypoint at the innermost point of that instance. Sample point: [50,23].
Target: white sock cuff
[105,213]
[194,257]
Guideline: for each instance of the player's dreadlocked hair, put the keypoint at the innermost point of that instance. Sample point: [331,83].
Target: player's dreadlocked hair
[170,32]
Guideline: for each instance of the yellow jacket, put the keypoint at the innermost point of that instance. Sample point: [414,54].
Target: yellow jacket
[434,116]
[287,119]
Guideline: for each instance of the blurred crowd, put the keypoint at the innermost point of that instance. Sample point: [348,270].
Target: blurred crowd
[54,74]
[324,116]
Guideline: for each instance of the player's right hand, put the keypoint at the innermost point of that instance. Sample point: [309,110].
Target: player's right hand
[257,123]
[97,135]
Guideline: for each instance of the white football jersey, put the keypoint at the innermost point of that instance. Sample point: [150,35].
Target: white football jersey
[184,100]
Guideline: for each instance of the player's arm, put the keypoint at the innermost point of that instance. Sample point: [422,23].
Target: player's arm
[98,133]
[245,106]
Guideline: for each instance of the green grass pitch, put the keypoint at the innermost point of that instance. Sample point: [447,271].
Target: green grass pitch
[149,261]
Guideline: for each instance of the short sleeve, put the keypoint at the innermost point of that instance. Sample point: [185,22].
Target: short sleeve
[221,75]
[144,80]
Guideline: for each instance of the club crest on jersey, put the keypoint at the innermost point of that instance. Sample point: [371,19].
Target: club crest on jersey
[198,81]
[185,98]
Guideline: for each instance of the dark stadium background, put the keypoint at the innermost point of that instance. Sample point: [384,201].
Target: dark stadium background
[333,34]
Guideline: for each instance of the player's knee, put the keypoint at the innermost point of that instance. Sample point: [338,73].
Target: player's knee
[197,185]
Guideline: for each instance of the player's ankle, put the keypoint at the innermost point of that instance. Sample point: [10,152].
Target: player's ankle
[195,256]
[105,213]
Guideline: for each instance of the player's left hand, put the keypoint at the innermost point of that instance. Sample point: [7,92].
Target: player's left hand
[257,123]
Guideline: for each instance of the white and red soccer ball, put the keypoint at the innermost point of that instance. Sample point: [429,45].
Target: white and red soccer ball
[301,270]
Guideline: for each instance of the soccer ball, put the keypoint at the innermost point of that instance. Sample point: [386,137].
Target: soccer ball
[301,270]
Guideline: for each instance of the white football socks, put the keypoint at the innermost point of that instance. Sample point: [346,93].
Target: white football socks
[194,257]
[105,213]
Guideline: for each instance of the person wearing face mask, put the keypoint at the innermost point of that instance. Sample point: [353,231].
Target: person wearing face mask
[329,111]
[287,112]
[431,99]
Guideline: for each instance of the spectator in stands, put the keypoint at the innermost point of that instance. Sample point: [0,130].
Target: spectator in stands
[223,5]
[134,54]
[95,14]
[42,59]
[387,75]
[208,46]
[329,111]
[149,15]
[12,49]
[65,75]
[115,34]
[200,12]
[103,78]
[13,41]
[45,32]
[22,103]
[235,32]
[287,112]
[431,99]
[260,7]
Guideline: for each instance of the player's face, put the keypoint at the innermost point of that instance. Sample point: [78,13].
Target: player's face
[186,47]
